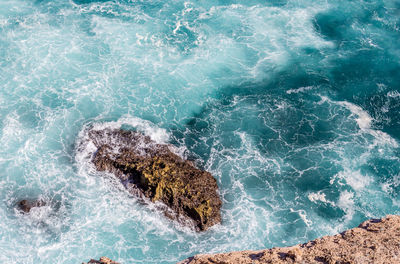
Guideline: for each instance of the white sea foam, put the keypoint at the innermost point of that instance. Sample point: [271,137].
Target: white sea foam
[363,119]
[300,90]
[393,94]
[319,197]
[346,202]
[157,134]
[389,186]
[303,216]
[355,179]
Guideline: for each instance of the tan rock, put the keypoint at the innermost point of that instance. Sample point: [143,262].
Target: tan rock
[375,241]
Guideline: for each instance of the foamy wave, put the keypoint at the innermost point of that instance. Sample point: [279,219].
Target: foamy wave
[346,202]
[353,178]
[300,90]
[157,134]
[364,122]
[393,94]
[319,197]
[363,119]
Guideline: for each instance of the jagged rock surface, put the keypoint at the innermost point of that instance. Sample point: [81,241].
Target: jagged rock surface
[102,260]
[149,169]
[375,241]
[25,206]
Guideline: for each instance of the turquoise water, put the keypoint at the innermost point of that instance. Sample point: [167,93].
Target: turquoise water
[293,106]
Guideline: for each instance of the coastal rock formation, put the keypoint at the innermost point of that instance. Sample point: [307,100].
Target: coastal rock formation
[25,206]
[375,241]
[152,170]
[102,260]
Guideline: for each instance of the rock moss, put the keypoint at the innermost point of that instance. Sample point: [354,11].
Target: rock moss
[152,170]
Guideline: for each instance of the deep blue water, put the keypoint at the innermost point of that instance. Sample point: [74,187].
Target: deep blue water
[293,106]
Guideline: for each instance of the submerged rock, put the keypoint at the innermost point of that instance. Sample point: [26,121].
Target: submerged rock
[102,260]
[374,241]
[152,170]
[26,206]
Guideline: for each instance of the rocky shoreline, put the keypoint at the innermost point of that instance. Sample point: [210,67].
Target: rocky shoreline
[376,241]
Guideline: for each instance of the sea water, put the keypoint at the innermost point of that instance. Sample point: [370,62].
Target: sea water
[292,105]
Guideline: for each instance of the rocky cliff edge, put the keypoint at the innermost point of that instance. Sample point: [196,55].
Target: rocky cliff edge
[375,241]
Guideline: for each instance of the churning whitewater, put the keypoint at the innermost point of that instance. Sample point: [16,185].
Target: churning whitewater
[292,105]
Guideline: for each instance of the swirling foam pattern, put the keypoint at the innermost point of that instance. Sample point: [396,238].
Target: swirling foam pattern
[292,105]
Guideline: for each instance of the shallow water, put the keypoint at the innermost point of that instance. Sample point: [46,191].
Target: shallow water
[293,106]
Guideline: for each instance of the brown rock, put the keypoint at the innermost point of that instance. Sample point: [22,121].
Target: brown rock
[152,170]
[26,206]
[102,260]
[374,241]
